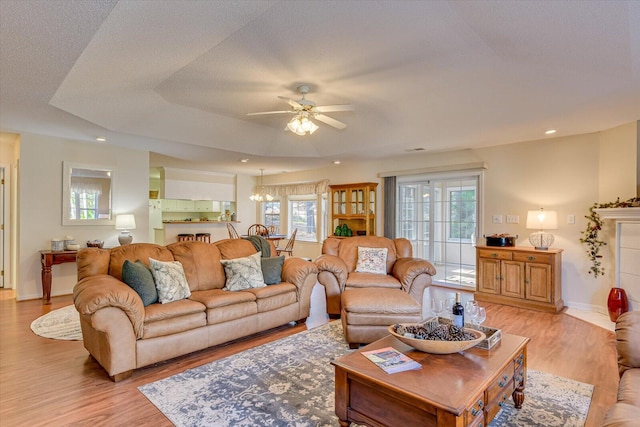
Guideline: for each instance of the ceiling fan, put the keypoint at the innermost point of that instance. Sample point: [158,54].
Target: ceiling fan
[306,110]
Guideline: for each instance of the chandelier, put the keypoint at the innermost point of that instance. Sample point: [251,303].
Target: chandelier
[301,124]
[260,195]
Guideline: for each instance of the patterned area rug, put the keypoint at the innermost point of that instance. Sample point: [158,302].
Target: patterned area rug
[60,324]
[290,382]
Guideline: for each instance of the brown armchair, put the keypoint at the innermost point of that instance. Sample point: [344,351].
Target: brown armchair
[337,265]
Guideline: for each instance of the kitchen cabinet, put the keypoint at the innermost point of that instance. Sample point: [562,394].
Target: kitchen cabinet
[207,206]
[354,205]
[520,276]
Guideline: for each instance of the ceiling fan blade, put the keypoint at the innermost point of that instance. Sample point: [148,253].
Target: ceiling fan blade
[330,121]
[331,108]
[269,112]
[291,102]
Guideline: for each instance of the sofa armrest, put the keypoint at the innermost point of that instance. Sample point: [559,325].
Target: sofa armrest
[95,292]
[297,270]
[628,340]
[334,265]
[409,271]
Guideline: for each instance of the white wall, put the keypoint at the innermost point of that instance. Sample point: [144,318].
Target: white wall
[618,163]
[561,174]
[40,204]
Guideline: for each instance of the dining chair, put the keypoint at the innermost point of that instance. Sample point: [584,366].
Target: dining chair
[233,233]
[273,229]
[258,230]
[289,248]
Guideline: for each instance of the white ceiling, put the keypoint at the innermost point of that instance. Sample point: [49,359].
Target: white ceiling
[178,77]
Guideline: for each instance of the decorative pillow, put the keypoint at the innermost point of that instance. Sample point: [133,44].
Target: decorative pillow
[272,269]
[140,279]
[170,280]
[372,260]
[243,273]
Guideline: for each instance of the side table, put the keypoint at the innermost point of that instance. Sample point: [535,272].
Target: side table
[49,258]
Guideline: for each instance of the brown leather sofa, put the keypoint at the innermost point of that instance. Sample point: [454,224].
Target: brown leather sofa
[337,265]
[122,334]
[626,411]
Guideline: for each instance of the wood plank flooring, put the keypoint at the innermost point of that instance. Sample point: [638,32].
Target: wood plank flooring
[57,383]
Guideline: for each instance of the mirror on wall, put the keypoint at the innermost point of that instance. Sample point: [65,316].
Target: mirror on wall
[87,194]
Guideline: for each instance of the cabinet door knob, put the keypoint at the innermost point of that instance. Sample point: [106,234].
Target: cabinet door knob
[531,258]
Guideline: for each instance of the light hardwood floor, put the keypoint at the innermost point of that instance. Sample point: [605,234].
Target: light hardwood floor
[57,383]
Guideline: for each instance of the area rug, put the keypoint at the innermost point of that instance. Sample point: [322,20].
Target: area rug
[290,382]
[60,324]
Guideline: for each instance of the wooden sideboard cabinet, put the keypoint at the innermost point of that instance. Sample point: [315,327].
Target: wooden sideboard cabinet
[520,276]
[354,205]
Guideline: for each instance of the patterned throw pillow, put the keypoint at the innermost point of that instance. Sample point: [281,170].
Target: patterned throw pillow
[272,269]
[171,282]
[140,279]
[372,260]
[243,273]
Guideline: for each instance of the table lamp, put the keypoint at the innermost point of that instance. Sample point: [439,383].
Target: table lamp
[541,220]
[125,223]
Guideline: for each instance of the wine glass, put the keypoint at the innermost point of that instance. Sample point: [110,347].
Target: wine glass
[437,305]
[448,305]
[471,310]
[481,316]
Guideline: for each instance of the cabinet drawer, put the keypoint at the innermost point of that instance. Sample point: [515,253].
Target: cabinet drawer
[476,410]
[502,384]
[488,253]
[477,421]
[495,406]
[531,257]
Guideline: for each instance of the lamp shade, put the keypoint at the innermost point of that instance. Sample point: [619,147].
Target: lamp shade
[125,222]
[542,220]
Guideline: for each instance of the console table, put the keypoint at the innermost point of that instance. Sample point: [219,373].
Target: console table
[49,258]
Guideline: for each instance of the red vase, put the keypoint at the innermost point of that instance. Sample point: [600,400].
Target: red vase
[617,303]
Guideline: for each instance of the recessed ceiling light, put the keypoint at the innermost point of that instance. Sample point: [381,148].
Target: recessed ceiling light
[101,139]
[244,160]
[336,162]
[411,150]
[550,132]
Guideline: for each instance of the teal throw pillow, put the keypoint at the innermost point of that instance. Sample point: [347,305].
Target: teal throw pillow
[140,279]
[272,269]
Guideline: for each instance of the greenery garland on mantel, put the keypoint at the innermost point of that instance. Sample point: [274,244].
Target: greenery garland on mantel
[594,225]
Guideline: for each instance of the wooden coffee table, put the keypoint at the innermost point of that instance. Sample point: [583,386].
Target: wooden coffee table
[460,389]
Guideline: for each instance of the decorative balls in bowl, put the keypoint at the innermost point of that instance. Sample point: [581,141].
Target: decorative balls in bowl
[431,336]
[95,243]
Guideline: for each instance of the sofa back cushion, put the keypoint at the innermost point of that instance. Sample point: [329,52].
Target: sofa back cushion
[347,249]
[134,252]
[201,264]
[628,340]
[92,261]
[235,248]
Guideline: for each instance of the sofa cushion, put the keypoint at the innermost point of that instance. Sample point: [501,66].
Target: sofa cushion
[215,298]
[140,279]
[348,249]
[621,415]
[368,280]
[372,260]
[141,251]
[158,312]
[243,273]
[170,280]
[629,387]
[275,296]
[272,269]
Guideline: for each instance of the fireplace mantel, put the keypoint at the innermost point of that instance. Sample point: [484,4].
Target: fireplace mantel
[619,214]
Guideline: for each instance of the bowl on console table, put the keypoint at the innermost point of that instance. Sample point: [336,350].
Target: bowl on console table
[95,243]
[450,340]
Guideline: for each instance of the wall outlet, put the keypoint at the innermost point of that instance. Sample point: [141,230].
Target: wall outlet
[497,219]
[513,219]
[571,219]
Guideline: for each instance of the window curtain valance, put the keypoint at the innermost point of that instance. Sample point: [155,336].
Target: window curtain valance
[78,186]
[300,189]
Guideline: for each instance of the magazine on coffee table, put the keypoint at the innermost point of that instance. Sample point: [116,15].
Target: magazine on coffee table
[391,360]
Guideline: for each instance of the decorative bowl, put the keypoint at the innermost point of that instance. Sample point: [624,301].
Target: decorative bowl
[95,243]
[438,346]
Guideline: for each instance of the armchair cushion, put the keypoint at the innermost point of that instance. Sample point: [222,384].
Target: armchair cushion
[372,260]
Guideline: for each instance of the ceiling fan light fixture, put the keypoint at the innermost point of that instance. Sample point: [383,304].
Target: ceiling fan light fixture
[301,125]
